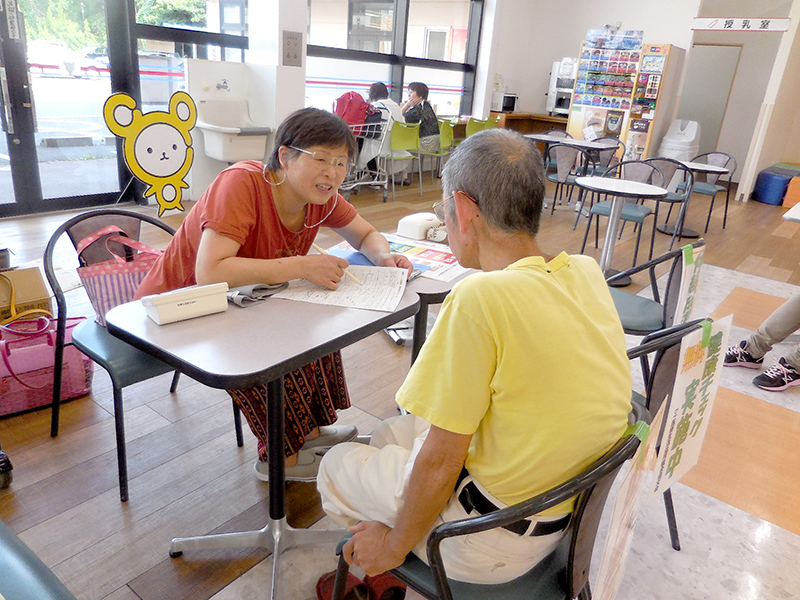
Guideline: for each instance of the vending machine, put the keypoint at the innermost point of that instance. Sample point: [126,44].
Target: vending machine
[625,89]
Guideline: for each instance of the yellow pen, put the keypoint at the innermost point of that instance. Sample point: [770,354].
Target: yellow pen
[346,272]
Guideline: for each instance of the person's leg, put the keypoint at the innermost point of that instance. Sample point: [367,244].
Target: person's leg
[776,328]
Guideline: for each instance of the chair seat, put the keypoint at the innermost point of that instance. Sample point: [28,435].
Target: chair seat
[630,211]
[639,316]
[125,364]
[701,187]
[546,581]
[673,197]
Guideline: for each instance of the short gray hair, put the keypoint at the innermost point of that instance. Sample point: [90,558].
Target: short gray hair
[504,173]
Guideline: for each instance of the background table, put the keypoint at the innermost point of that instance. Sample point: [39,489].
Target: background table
[793,214]
[245,347]
[620,189]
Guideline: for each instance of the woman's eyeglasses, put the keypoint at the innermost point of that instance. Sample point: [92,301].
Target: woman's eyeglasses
[438,208]
[323,163]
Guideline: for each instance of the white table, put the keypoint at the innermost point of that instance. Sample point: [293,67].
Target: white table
[552,139]
[245,347]
[793,214]
[619,189]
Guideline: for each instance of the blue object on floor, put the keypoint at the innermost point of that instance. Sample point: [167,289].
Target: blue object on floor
[770,187]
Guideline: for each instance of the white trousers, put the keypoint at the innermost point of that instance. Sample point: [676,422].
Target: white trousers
[360,482]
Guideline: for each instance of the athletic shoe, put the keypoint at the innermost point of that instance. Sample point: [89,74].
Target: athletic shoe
[330,435]
[778,377]
[306,468]
[738,356]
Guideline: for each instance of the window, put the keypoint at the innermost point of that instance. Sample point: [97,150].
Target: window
[323,88]
[433,41]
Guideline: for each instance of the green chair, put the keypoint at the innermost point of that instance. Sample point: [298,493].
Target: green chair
[404,136]
[561,575]
[475,125]
[446,144]
[492,123]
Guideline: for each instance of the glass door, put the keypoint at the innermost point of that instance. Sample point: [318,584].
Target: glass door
[54,72]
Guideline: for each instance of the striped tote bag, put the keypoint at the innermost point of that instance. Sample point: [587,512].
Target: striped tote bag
[113,282]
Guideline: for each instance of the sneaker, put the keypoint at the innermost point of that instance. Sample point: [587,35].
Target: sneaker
[330,435]
[306,468]
[778,377]
[738,356]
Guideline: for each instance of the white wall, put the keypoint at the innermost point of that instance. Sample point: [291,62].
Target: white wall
[526,37]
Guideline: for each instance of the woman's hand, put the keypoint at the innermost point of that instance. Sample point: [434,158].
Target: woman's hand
[395,260]
[324,269]
[411,103]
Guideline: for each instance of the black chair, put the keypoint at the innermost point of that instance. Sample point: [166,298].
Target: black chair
[640,315]
[659,383]
[563,164]
[561,575]
[631,170]
[125,364]
[712,184]
[610,155]
[669,168]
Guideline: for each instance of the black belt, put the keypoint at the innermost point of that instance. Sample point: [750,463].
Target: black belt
[471,499]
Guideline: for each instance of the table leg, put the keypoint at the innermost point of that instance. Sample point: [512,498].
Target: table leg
[607,253]
[277,536]
[420,329]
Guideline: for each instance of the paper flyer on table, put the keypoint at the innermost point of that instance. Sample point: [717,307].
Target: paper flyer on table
[435,260]
[381,289]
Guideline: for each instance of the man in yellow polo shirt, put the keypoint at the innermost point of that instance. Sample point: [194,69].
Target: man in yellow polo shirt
[523,383]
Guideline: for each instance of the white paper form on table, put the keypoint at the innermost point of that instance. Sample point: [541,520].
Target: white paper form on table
[381,289]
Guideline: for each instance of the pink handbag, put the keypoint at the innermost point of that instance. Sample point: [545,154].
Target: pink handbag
[27,356]
[114,282]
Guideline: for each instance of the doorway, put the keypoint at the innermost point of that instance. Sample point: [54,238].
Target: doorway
[706,89]
[56,152]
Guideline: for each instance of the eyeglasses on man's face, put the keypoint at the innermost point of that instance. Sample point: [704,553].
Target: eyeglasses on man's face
[438,208]
[340,163]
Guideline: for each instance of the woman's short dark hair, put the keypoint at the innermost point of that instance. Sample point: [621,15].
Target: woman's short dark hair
[309,127]
[378,91]
[419,88]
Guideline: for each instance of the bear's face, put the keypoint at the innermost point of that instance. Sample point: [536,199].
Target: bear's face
[160,149]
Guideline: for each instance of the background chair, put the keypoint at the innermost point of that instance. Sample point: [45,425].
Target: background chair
[563,164]
[404,136]
[475,125]
[492,122]
[659,383]
[561,575]
[631,170]
[609,156]
[446,145]
[669,168]
[710,184]
[125,364]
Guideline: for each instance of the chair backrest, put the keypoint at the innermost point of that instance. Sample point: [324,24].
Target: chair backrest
[405,136]
[569,160]
[636,170]
[79,227]
[718,159]
[590,488]
[669,167]
[475,125]
[610,156]
[558,133]
[446,137]
[492,122]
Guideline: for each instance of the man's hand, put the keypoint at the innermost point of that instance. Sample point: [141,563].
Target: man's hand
[370,548]
[395,260]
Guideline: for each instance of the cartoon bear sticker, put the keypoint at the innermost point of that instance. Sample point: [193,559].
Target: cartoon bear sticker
[157,146]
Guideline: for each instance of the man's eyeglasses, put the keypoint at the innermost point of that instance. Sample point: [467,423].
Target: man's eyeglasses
[438,208]
[323,163]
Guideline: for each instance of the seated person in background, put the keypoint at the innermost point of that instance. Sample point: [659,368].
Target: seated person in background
[418,110]
[255,224]
[390,111]
[750,352]
[498,414]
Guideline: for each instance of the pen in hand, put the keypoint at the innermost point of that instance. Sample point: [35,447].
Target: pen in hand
[346,272]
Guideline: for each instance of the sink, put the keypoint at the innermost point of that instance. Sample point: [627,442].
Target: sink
[229,133]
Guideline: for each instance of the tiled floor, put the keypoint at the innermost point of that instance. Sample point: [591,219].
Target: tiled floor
[750,459]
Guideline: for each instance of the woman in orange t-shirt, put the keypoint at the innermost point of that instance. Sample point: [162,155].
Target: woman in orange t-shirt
[256,224]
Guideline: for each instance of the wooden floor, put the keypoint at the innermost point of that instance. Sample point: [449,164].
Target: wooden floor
[188,477]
